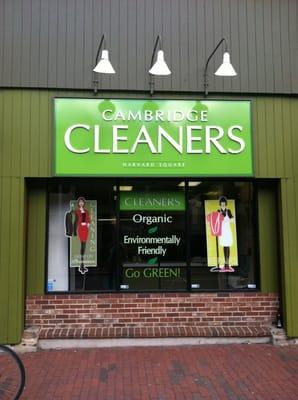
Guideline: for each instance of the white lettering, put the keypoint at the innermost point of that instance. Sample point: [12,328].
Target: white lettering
[236,139]
[156,115]
[148,115]
[195,116]
[104,116]
[117,138]
[204,116]
[134,117]
[177,145]
[214,140]
[67,143]
[159,115]
[191,139]
[97,148]
[137,218]
[149,219]
[178,116]
[146,140]
[120,115]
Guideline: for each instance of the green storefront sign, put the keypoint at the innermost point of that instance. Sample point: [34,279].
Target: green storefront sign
[100,137]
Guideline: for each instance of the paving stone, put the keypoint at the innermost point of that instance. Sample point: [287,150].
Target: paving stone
[214,372]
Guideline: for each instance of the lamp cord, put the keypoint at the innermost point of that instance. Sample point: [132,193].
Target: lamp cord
[95,80]
[208,60]
[151,79]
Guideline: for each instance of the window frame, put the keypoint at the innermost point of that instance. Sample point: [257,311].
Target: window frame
[116,276]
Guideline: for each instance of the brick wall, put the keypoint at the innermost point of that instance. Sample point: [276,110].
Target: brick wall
[152,315]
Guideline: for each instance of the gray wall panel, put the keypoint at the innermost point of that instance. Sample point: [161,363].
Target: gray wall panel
[165,33]
[157,29]
[251,43]
[88,53]
[43,64]
[62,43]
[16,49]
[183,44]
[123,50]
[226,32]
[276,46]
[210,40]
[71,68]
[218,33]
[53,43]
[1,39]
[235,45]
[113,42]
[34,40]
[285,44]
[243,45]
[149,41]
[260,48]
[268,44]
[200,26]
[79,41]
[25,47]
[132,54]
[293,32]
[107,24]
[192,44]
[139,29]
[8,40]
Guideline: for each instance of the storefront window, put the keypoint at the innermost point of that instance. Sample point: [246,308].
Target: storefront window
[151,235]
[222,235]
[82,236]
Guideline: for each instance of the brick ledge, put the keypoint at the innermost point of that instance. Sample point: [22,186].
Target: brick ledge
[100,333]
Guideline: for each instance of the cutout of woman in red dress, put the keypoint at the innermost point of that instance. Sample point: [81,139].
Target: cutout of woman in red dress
[82,223]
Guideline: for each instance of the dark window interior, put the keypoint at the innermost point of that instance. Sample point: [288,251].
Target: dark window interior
[158,248]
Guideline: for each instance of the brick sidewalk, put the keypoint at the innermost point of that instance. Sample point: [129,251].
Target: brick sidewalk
[230,372]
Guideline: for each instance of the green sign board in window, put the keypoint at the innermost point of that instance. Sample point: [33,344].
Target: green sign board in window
[100,137]
[174,201]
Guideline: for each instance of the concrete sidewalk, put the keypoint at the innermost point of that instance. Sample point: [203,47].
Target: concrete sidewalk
[230,372]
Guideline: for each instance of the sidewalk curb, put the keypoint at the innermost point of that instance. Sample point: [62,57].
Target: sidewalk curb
[49,344]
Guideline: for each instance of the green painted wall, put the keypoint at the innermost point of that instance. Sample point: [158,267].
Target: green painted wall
[268,237]
[25,149]
[12,271]
[36,228]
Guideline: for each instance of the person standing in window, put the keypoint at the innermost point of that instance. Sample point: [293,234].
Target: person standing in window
[81,228]
[226,237]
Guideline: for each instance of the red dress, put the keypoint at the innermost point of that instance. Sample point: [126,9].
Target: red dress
[215,220]
[83,221]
